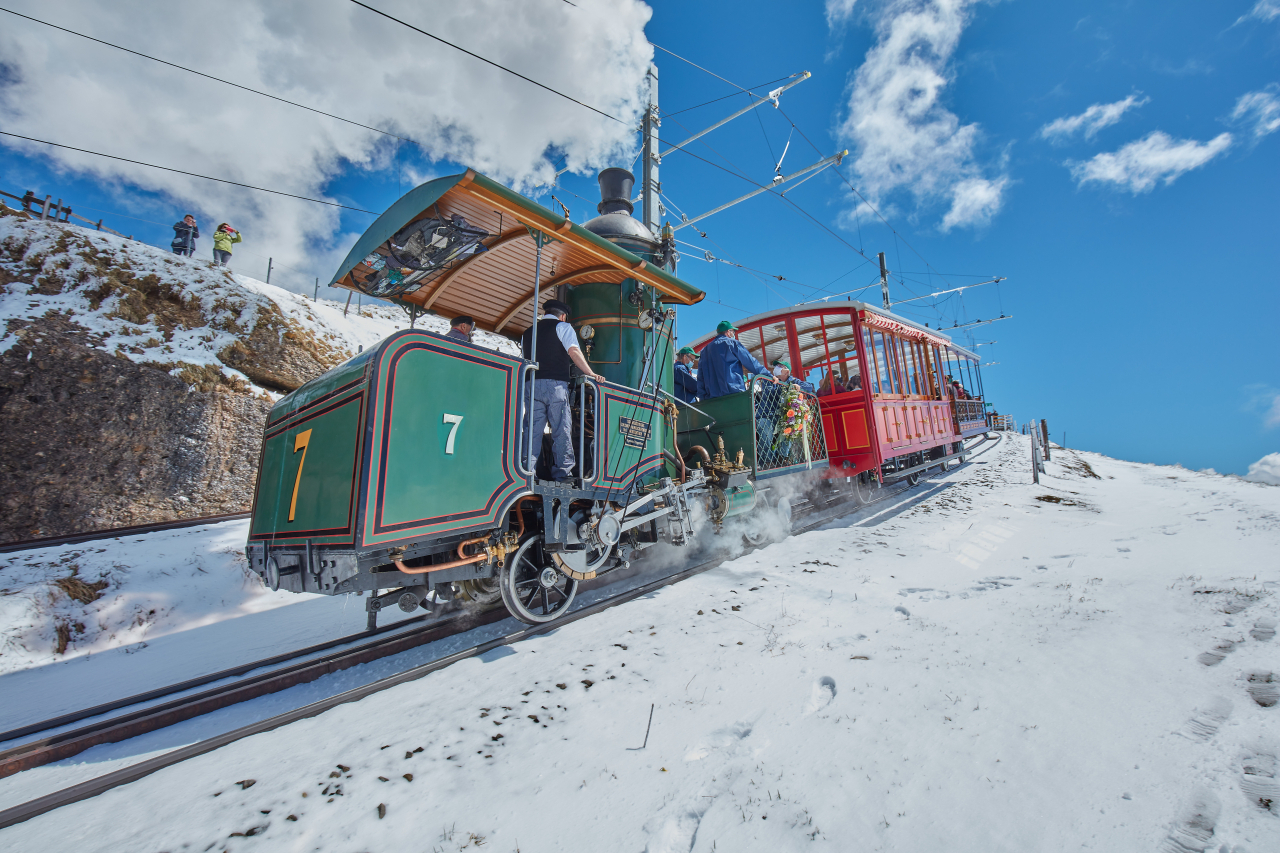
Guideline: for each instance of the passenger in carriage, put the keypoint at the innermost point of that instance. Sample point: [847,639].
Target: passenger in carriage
[686,382]
[726,360]
[462,328]
[854,383]
[958,390]
[782,370]
[831,384]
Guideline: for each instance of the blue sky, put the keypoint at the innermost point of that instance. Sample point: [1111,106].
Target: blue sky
[1115,161]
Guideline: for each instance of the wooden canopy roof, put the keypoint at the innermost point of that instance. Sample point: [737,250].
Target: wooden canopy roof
[496,286]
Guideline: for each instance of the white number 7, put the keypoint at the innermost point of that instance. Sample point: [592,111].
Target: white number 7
[456,420]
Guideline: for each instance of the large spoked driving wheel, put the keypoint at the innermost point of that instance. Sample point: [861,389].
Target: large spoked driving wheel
[533,588]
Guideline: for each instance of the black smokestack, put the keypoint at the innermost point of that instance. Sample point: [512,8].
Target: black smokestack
[615,191]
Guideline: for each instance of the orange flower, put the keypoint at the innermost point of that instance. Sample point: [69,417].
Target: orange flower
[787,431]
[791,413]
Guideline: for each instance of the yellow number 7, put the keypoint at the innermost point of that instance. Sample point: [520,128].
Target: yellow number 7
[299,443]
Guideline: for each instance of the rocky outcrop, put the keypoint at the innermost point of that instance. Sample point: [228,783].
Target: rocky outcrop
[133,387]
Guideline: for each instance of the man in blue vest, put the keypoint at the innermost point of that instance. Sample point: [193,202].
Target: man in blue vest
[722,364]
[686,382]
[558,352]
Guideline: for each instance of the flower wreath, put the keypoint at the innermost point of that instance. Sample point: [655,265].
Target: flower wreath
[795,416]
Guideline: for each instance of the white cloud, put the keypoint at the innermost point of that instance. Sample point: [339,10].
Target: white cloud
[1260,109]
[1092,120]
[1265,470]
[1140,165]
[839,11]
[902,135]
[344,60]
[1263,10]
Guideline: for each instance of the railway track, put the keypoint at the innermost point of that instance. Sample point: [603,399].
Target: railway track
[116,532]
[58,746]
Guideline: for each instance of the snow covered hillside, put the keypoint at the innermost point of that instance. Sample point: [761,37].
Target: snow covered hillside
[1086,664]
[134,383]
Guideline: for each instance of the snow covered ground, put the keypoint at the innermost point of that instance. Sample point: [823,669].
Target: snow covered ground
[1085,664]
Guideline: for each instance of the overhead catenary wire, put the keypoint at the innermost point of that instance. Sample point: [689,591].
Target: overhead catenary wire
[190,174]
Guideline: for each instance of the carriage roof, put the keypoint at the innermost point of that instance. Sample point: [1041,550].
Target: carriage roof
[496,286]
[811,338]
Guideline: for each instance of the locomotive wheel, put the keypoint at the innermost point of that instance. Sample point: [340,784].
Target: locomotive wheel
[532,588]
[483,591]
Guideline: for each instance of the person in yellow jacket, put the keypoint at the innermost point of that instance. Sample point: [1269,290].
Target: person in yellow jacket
[222,240]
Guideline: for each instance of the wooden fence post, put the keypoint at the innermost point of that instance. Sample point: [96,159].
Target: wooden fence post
[44,209]
[1044,428]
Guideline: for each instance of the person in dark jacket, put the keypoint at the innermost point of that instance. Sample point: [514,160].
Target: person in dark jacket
[686,382]
[558,352]
[723,362]
[462,328]
[185,234]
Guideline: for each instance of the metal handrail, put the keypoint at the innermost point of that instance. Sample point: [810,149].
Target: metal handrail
[582,431]
[525,412]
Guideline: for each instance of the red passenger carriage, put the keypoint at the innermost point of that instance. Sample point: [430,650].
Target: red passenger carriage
[896,398]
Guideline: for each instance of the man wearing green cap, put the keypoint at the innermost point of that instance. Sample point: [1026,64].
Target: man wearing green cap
[723,363]
[782,370]
[686,382]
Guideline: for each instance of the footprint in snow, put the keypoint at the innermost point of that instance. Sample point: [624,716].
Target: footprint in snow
[724,738]
[822,694]
[1258,781]
[1217,653]
[1207,719]
[1264,629]
[997,582]
[1264,687]
[1194,829]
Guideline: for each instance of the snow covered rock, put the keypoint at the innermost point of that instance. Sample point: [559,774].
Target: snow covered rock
[134,383]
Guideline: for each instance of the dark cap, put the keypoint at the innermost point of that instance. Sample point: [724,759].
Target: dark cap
[458,321]
[555,306]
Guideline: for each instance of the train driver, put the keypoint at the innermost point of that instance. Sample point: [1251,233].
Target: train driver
[726,359]
[462,328]
[686,382]
[558,351]
[782,370]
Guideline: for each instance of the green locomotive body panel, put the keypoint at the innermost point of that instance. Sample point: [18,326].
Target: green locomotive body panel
[442,440]
[731,417]
[411,441]
[632,438]
[310,461]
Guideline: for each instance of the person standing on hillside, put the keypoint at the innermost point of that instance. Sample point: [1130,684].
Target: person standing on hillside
[185,234]
[223,239]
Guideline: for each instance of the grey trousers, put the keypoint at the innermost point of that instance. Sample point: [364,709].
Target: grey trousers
[551,406]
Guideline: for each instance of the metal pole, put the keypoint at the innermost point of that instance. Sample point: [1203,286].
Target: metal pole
[360,306]
[530,461]
[316,297]
[884,282]
[796,79]
[1044,428]
[649,186]
[268,270]
[413,316]
[350,293]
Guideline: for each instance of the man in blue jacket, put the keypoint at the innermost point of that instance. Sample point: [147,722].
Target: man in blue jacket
[723,362]
[686,382]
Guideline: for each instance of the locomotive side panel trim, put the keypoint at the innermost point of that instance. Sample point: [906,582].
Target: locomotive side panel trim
[317,487]
[622,462]
[432,396]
